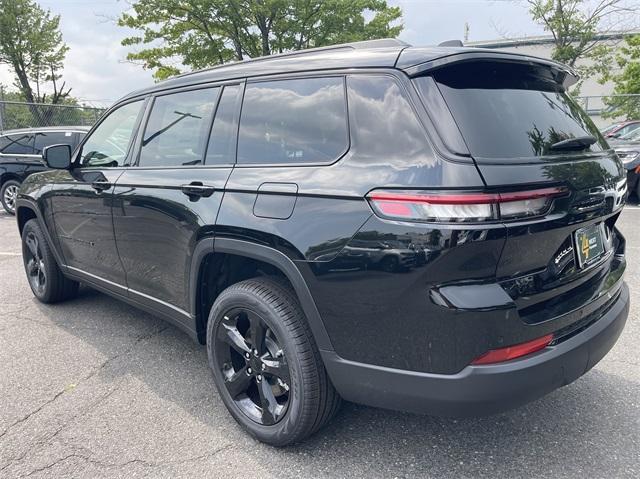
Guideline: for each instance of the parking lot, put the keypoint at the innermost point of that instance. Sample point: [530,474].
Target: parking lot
[96,388]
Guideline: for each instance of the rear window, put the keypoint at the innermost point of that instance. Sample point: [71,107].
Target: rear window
[507,110]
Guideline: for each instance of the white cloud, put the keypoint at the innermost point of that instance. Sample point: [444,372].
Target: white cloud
[95,66]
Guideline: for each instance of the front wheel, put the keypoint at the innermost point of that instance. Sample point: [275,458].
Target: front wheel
[266,364]
[8,195]
[45,278]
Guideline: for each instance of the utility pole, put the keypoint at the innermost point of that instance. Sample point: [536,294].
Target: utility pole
[1,108]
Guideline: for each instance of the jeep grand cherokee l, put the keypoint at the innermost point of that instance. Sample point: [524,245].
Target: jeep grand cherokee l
[249,205]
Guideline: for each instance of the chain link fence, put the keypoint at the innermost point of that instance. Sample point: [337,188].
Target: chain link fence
[28,115]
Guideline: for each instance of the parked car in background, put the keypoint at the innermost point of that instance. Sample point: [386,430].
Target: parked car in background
[628,150]
[430,229]
[633,135]
[21,155]
[620,129]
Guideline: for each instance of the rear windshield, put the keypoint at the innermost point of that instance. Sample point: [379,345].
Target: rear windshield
[508,110]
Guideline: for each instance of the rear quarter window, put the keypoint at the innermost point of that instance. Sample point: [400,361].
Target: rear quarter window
[509,110]
[293,121]
[384,126]
[18,144]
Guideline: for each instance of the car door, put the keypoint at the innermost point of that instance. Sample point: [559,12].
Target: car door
[17,156]
[166,202]
[81,198]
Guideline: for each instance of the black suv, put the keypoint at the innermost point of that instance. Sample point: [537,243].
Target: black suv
[255,205]
[21,155]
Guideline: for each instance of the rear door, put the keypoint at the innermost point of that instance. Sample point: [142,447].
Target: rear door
[526,133]
[163,203]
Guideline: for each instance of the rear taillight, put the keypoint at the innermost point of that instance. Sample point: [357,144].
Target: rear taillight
[513,352]
[462,207]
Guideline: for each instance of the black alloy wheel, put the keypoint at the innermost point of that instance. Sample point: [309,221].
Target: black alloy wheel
[254,366]
[35,266]
[46,280]
[266,364]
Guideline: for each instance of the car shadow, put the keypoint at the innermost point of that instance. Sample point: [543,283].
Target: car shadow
[563,434]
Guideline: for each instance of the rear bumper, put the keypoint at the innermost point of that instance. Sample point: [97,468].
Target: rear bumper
[481,390]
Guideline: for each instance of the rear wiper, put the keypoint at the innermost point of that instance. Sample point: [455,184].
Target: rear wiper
[579,143]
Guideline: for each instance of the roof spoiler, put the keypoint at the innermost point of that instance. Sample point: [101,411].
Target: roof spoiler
[563,75]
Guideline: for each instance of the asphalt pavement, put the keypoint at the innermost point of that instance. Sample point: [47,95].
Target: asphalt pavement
[95,388]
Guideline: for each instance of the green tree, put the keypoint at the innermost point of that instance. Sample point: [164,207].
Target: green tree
[575,26]
[626,81]
[202,33]
[31,44]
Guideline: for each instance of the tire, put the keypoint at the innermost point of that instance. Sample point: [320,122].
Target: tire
[299,400]
[390,264]
[45,278]
[8,195]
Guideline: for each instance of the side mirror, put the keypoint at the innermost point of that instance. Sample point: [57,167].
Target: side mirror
[57,156]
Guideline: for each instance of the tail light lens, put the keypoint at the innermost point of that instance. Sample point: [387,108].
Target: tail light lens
[462,207]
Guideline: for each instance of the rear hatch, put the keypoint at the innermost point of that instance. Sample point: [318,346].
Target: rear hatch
[523,131]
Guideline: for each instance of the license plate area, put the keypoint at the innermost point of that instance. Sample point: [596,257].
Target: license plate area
[589,245]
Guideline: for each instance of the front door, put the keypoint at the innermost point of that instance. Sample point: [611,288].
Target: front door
[170,199]
[81,198]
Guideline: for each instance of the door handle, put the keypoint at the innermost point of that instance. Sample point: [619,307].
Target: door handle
[100,185]
[197,190]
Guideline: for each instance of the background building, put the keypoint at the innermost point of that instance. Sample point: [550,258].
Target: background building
[591,92]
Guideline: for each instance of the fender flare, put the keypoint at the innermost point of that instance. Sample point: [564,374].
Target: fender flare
[32,205]
[268,255]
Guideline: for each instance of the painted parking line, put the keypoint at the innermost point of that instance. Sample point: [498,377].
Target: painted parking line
[10,254]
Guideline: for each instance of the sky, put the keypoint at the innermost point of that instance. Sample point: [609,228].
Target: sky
[96,69]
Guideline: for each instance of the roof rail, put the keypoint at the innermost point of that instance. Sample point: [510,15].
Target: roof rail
[451,43]
[379,43]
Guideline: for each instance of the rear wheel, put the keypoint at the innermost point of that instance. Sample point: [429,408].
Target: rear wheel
[390,264]
[265,362]
[45,278]
[8,195]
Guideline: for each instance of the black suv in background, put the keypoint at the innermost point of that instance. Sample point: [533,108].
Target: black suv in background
[253,205]
[21,155]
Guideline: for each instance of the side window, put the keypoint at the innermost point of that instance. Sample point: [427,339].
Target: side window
[293,121]
[177,130]
[21,144]
[221,147]
[48,138]
[627,129]
[77,139]
[109,143]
